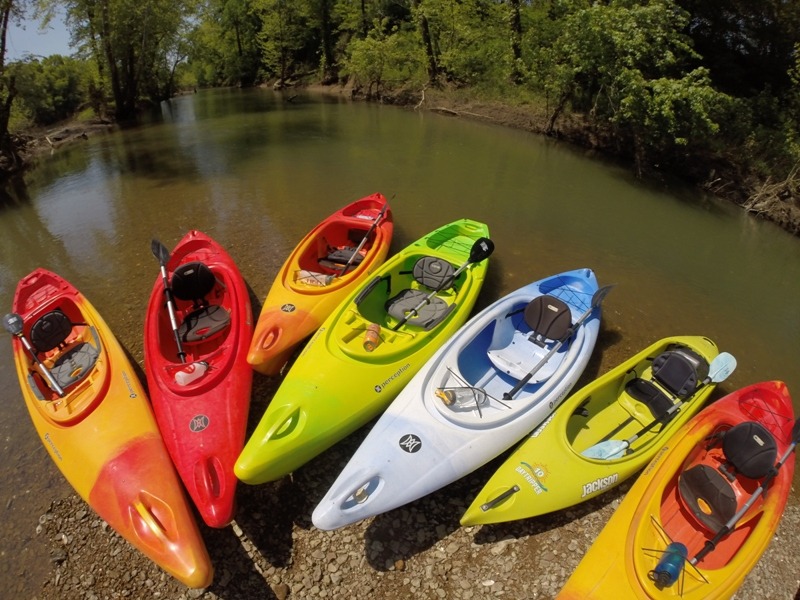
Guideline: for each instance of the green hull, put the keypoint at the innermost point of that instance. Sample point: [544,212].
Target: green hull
[548,472]
[335,386]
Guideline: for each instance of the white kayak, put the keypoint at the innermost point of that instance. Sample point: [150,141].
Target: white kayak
[494,381]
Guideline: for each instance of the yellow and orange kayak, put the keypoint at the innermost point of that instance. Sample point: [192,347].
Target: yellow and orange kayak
[329,262]
[704,510]
[94,419]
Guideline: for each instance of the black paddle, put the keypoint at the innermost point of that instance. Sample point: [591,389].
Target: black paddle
[719,370]
[597,299]
[481,250]
[13,325]
[162,254]
[728,527]
[364,240]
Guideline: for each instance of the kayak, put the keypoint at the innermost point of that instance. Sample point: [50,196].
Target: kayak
[549,471]
[329,262]
[200,390]
[472,400]
[93,417]
[368,349]
[698,519]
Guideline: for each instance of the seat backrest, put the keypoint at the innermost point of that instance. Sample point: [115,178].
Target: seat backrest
[549,317]
[50,331]
[708,495]
[680,371]
[750,448]
[434,273]
[192,281]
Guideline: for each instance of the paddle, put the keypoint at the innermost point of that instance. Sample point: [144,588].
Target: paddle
[13,325]
[597,299]
[728,527]
[162,254]
[719,370]
[481,250]
[364,240]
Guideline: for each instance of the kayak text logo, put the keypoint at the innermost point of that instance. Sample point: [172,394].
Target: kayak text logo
[533,475]
[198,423]
[400,371]
[599,484]
[410,443]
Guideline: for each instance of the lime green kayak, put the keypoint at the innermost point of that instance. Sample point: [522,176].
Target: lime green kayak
[369,348]
[604,433]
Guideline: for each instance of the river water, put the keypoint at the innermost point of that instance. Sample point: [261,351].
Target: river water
[256,170]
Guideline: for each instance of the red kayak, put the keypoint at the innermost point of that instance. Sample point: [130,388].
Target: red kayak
[197,331]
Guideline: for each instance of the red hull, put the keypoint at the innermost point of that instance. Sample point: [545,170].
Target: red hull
[204,422]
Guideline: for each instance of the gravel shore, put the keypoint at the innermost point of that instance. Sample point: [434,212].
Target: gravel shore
[272,551]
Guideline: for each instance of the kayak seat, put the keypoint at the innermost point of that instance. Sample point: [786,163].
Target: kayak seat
[194,281]
[417,306]
[550,321]
[748,450]
[677,372]
[708,495]
[72,360]
[338,257]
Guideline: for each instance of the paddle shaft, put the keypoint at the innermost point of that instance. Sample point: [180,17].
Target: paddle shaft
[596,300]
[719,370]
[481,249]
[162,254]
[711,544]
[44,370]
[365,238]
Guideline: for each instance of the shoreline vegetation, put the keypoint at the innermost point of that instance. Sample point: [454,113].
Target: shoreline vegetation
[774,201]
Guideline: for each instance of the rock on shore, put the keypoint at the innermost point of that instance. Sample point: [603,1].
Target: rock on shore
[272,551]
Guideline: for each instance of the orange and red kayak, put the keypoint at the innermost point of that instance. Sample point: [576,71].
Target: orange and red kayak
[93,417]
[200,386]
[704,510]
[329,262]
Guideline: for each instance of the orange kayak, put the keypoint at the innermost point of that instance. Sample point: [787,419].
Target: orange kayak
[94,419]
[703,512]
[329,262]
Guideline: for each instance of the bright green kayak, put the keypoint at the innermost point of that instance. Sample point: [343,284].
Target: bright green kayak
[604,433]
[419,298]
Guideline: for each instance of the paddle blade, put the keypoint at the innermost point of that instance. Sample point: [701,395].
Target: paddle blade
[607,450]
[159,251]
[12,323]
[481,250]
[721,367]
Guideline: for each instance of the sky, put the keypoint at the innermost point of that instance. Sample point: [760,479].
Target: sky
[28,39]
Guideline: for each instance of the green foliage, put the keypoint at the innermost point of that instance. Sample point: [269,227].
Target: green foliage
[471,40]
[50,89]
[395,59]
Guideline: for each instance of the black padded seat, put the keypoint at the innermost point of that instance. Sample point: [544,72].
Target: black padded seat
[436,275]
[339,257]
[708,495]
[750,449]
[50,331]
[72,364]
[549,319]
[193,281]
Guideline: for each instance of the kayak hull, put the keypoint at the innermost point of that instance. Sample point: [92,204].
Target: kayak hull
[309,287]
[335,385]
[421,444]
[102,436]
[548,471]
[204,422]
[654,511]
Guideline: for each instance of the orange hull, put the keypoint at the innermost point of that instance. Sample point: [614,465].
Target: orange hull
[309,286]
[103,437]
